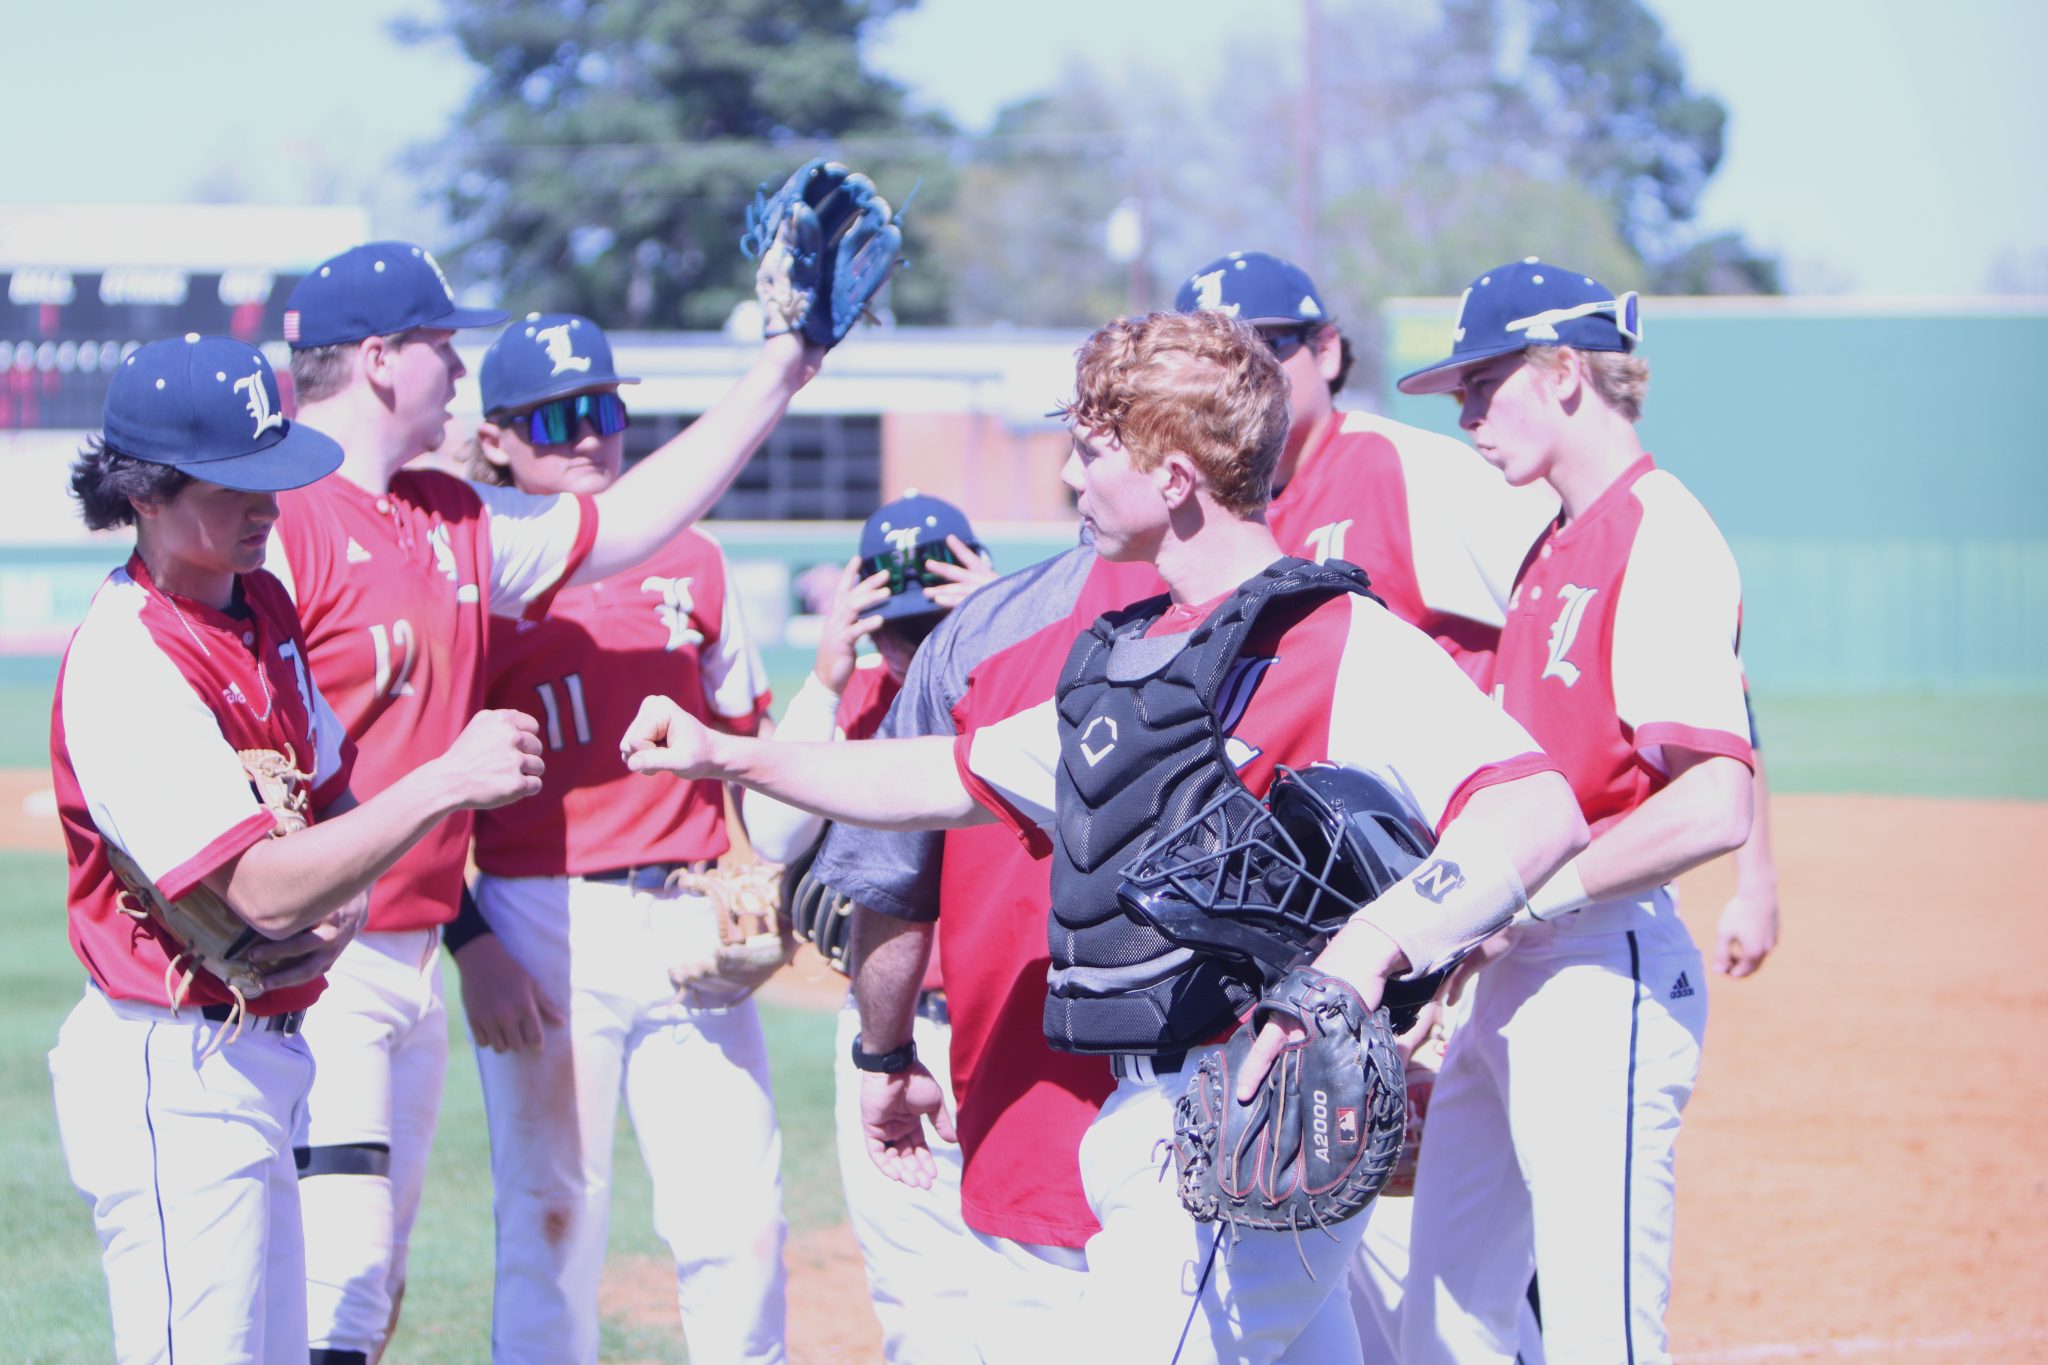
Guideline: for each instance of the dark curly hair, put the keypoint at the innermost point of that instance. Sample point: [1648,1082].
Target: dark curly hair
[104,480]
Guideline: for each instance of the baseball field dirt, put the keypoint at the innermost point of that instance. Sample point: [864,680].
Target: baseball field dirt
[1859,1176]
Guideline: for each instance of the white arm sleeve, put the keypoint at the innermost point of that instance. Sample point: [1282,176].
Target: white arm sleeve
[532,537]
[781,832]
[1016,760]
[1677,677]
[735,680]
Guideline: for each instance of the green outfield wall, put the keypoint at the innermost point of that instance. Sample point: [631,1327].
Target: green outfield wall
[1881,472]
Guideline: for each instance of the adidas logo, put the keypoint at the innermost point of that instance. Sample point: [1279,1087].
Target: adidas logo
[356,553]
[1680,988]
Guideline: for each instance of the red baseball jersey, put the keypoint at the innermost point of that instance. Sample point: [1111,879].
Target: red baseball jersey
[670,626]
[1621,643]
[1436,528]
[869,694]
[1358,686]
[1023,1106]
[394,590]
[156,699]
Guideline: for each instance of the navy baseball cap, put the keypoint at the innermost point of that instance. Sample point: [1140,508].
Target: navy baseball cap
[209,407]
[899,538]
[1530,303]
[543,356]
[373,290]
[1253,287]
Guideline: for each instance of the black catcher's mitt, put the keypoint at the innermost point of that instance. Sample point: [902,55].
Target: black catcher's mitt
[827,242]
[1318,1140]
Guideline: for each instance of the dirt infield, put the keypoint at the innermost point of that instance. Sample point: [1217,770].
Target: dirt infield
[1860,1174]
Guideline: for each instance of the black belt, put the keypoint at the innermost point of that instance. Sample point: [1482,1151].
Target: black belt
[932,1005]
[286,1023]
[645,876]
[1163,1064]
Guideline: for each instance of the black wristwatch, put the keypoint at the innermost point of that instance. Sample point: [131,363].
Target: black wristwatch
[896,1059]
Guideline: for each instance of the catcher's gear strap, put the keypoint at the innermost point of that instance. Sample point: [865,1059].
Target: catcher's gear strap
[1463,892]
[1142,750]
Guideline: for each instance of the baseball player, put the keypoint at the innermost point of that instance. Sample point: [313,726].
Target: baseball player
[187,733]
[1438,532]
[579,887]
[1584,1039]
[1343,486]
[396,574]
[918,558]
[1178,422]
[1020,1108]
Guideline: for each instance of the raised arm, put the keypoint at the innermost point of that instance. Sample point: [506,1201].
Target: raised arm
[681,481]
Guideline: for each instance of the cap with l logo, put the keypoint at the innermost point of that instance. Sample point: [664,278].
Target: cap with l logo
[543,356]
[1530,303]
[376,289]
[209,407]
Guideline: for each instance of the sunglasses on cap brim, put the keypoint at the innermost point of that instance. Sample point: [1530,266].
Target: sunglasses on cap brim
[907,567]
[557,420]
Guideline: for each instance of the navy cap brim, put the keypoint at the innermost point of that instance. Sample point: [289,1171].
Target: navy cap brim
[572,383]
[1447,375]
[908,603]
[459,319]
[301,456]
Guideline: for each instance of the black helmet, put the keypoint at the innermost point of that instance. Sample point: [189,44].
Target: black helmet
[1265,884]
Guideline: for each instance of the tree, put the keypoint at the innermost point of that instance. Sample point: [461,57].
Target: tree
[602,160]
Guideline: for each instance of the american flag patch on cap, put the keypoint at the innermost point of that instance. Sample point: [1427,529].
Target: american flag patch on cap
[291,324]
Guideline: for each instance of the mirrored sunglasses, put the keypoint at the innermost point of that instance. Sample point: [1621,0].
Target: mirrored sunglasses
[907,567]
[557,420]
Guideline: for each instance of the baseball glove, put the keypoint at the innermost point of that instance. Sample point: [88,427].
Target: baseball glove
[1316,1142]
[210,936]
[817,914]
[827,242]
[754,940]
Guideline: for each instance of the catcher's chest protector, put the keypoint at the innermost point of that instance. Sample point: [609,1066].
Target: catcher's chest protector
[1141,749]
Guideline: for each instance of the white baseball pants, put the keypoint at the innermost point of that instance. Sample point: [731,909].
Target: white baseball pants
[187,1165]
[695,1082]
[1552,1139]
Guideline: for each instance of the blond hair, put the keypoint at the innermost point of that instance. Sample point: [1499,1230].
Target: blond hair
[322,371]
[1622,380]
[1202,384]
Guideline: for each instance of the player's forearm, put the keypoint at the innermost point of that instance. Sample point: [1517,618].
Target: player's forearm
[889,957]
[1508,837]
[779,831]
[1703,813]
[882,784]
[281,886]
[1756,862]
[681,481]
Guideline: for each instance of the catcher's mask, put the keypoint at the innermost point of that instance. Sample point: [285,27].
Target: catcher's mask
[1264,884]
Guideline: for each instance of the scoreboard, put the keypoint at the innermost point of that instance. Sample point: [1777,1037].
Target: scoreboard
[63,331]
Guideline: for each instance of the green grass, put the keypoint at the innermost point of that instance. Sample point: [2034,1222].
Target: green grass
[1986,746]
[53,1300]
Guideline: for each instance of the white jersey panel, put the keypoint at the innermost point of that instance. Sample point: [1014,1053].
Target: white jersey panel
[1405,712]
[532,537]
[735,679]
[134,724]
[1676,619]
[1018,759]
[1468,528]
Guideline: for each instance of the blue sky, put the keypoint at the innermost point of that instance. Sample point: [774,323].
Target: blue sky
[1882,147]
